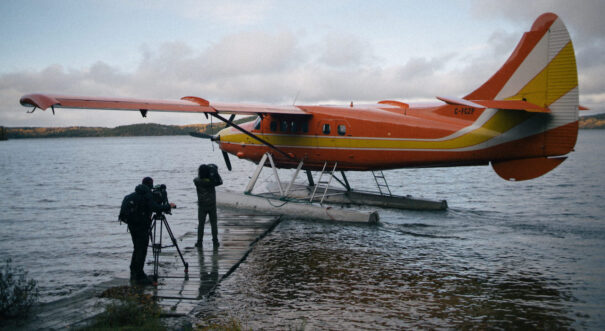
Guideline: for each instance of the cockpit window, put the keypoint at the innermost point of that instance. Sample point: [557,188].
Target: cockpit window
[294,127]
[305,126]
[342,129]
[273,126]
[326,129]
[283,126]
[257,124]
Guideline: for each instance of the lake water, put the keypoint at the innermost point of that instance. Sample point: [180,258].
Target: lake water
[505,255]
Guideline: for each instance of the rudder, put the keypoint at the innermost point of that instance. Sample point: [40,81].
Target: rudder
[542,70]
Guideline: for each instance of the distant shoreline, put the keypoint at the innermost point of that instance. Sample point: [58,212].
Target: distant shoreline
[152,129]
[134,130]
[592,122]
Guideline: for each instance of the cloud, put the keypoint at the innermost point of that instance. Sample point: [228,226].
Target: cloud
[584,20]
[583,17]
[233,12]
[245,67]
[275,67]
[343,50]
[251,53]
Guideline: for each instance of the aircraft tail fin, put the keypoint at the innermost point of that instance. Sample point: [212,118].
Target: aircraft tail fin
[541,71]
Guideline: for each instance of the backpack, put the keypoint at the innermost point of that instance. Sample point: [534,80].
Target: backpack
[131,209]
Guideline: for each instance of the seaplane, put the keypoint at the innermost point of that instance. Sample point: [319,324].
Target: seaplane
[523,121]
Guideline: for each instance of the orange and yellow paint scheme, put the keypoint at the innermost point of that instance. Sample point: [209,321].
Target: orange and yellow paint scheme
[523,120]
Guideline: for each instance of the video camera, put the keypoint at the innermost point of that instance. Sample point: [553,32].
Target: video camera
[213,174]
[160,196]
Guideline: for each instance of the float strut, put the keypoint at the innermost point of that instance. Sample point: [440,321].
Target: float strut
[300,164]
[254,178]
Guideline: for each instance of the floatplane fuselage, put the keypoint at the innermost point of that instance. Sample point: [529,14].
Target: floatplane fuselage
[391,135]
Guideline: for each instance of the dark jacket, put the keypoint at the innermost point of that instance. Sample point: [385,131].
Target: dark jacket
[148,204]
[206,194]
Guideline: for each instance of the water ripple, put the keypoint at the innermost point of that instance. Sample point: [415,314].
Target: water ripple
[525,255]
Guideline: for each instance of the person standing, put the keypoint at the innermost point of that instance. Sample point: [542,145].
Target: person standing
[136,212]
[205,183]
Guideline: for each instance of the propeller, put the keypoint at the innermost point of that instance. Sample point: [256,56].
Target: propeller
[213,138]
[227,161]
[205,136]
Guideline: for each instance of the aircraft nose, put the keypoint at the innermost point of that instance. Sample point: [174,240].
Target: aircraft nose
[224,135]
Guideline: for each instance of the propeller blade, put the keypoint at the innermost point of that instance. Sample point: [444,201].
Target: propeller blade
[204,136]
[227,161]
[230,120]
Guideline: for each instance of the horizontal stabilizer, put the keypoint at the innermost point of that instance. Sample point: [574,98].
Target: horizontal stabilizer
[524,169]
[497,104]
[513,104]
[459,102]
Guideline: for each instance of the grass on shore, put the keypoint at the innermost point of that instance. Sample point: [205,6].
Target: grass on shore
[130,309]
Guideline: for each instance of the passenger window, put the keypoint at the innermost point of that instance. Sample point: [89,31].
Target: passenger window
[305,126]
[257,124]
[326,129]
[342,129]
[283,126]
[294,127]
[273,126]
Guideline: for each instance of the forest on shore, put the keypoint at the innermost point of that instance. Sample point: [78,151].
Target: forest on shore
[152,129]
[133,130]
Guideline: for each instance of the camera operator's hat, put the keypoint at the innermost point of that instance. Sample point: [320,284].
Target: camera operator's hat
[148,181]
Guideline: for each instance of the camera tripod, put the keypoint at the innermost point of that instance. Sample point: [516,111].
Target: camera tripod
[155,237]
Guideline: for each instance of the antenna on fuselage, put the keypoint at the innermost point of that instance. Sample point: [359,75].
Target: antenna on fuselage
[295,98]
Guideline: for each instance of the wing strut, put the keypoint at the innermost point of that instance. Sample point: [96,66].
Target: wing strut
[230,122]
[231,119]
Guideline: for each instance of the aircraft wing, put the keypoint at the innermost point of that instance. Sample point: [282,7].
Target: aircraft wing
[185,105]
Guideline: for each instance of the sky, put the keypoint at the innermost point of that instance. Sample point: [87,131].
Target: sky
[270,51]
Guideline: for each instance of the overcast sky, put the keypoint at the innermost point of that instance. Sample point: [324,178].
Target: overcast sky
[270,51]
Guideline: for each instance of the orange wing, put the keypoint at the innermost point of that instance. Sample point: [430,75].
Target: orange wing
[185,105]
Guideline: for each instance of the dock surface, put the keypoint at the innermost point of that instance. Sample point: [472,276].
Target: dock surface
[238,232]
[177,295]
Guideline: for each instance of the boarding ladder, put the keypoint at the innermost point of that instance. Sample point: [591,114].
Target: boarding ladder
[381,182]
[325,184]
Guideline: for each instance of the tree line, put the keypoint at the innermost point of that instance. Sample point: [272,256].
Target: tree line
[593,122]
[151,129]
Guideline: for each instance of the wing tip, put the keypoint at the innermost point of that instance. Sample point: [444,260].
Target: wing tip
[39,100]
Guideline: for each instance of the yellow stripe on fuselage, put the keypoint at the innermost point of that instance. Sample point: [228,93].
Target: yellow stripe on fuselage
[499,123]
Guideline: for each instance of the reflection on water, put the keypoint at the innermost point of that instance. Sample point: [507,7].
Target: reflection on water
[208,271]
[505,255]
[338,279]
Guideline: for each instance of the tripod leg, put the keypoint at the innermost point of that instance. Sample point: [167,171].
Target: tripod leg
[185,264]
[156,246]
